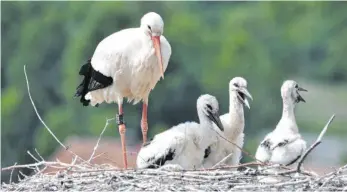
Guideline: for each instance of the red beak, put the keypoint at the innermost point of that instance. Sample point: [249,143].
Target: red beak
[156,44]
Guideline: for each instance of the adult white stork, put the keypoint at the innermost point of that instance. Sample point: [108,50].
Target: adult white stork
[284,145]
[184,144]
[128,64]
[233,123]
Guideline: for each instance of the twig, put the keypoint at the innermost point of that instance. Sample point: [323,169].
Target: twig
[47,163]
[39,154]
[317,142]
[96,156]
[32,156]
[242,150]
[74,160]
[332,175]
[12,173]
[272,185]
[38,115]
[221,161]
[336,171]
[21,173]
[97,143]
[229,167]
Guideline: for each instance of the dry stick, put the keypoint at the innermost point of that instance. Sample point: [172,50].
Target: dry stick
[243,151]
[226,167]
[221,161]
[318,141]
[334,172]
[24,176]
[97,143]
[272,185]
[96,156]
[42,159]
[38,115]
[34,165]
[32,102]
[332,175]
[32,156]
[18,177]
[12,173]
[39,154]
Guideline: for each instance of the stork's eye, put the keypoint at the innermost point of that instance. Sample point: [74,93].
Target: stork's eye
[236,85]
[209,106]
[149,27]
[296,86]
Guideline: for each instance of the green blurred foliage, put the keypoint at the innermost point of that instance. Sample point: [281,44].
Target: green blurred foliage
[212,42]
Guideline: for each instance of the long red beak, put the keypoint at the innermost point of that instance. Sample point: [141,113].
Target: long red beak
[156,43]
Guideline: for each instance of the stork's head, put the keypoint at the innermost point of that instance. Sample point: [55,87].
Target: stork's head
[290,92]
[153,25]
[238,87]
[209,107]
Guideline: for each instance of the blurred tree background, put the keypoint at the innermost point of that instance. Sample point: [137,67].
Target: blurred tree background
[212,42]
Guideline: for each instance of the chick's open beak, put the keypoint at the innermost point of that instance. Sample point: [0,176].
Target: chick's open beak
[299,96]
[243,94]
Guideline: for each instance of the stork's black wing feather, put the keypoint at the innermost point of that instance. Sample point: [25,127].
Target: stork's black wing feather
[161,160]
[266,144]
[92,80]
[207,152]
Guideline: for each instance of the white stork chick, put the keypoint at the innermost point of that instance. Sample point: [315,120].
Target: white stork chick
[233,123]
[184,144]
[128,64]
[284,145]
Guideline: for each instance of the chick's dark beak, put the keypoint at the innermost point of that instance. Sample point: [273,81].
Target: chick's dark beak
[301,89]
[214,117]
[299,96]
[301,99]
[243,94]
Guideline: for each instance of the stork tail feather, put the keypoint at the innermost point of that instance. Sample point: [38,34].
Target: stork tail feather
[93,80]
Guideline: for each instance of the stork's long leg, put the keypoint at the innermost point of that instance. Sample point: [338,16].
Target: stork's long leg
[144,124]
[122,129]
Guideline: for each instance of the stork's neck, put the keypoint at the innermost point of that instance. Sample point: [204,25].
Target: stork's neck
[288,117]
[236,115]
[288,109]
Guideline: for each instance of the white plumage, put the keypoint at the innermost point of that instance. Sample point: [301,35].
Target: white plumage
[128,56]
[284,145]
[186,143]
[127,64]
[233,123]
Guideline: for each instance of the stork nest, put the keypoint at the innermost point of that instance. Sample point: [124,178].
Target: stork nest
[85,177]
[81,175]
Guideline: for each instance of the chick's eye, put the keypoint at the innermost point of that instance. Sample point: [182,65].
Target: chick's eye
[209,106]
[236,85]
[296,86]
[149,27]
